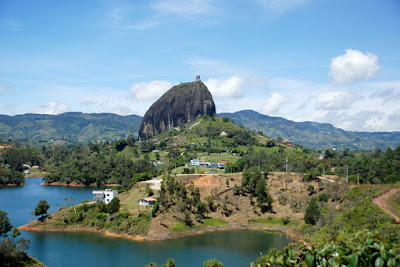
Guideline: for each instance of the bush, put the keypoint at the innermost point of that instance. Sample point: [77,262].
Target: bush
[361,249]
[113,206]
[285,220]
[312,212]
[323,197]
[155,208]
[213,263]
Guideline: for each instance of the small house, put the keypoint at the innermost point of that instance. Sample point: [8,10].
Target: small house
[147,201]
[36,167]
[212,164]
[221,164]
[104,195]
[194,162]
[203,163]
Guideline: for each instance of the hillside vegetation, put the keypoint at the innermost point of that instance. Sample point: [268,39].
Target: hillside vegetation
[71,127]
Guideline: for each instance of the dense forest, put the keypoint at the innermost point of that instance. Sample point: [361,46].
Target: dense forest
[127,161]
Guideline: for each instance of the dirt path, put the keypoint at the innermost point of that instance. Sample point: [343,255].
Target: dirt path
[381,202]
[154,183]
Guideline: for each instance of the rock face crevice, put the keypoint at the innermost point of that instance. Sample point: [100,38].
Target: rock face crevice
[181,104]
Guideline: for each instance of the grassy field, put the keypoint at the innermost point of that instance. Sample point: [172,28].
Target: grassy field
[36,173]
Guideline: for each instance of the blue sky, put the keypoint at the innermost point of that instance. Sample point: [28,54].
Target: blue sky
[328,61]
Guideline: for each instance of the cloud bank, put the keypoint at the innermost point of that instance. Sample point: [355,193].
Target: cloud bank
[220,88]
[149,91]
[52,108]
[353,66]
[273,104]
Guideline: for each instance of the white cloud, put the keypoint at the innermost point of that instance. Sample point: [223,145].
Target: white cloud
[231,87]
[388,95]
[337,100]
[151,90]
[52,108]
[1,89]
[273,104]
[353,66]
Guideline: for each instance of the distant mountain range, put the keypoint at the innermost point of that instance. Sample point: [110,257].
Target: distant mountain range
[83,127]
[312,134]
[70,126]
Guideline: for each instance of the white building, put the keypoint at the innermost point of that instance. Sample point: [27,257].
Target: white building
[104,195]
[147,201]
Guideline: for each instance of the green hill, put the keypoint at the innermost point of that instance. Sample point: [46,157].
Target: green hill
[71,126]
[312,134]
[82,127]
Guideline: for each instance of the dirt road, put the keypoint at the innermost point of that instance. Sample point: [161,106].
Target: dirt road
[381,202]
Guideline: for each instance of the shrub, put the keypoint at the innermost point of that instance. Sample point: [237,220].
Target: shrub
[285,220]
[323,197]
[361,249]
[213,263]
[113,206]
[312,212]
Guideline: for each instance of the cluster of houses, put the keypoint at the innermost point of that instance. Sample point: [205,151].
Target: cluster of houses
[109,194]
[203,163]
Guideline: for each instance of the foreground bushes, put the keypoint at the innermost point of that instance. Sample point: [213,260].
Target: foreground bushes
[361,249]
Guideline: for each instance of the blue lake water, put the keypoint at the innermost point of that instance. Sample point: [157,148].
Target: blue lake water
[233,248]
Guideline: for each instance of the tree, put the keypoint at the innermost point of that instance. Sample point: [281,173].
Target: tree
[12,252]
[213,263]
[201,208]
[312,212]
[120,145]
[170,263]
[113,206]
[41,209]
[5,225]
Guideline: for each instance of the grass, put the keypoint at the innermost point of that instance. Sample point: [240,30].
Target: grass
[180,227]
[214,222]
[393,203]
[33,173]
[273,221]
[221,157]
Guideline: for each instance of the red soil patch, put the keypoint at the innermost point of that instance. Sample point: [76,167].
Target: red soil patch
[207,180]
[10,185]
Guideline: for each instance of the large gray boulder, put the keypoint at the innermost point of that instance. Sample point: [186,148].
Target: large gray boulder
[180,104]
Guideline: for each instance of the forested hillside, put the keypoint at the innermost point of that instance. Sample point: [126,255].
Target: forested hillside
[81,127]
[314,135]
[71,126]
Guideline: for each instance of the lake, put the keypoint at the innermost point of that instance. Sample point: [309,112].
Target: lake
[233,248]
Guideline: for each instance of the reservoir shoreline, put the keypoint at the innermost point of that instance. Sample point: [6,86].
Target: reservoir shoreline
[290,234]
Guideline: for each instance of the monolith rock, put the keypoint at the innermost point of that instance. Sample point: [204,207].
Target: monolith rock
[179,105]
